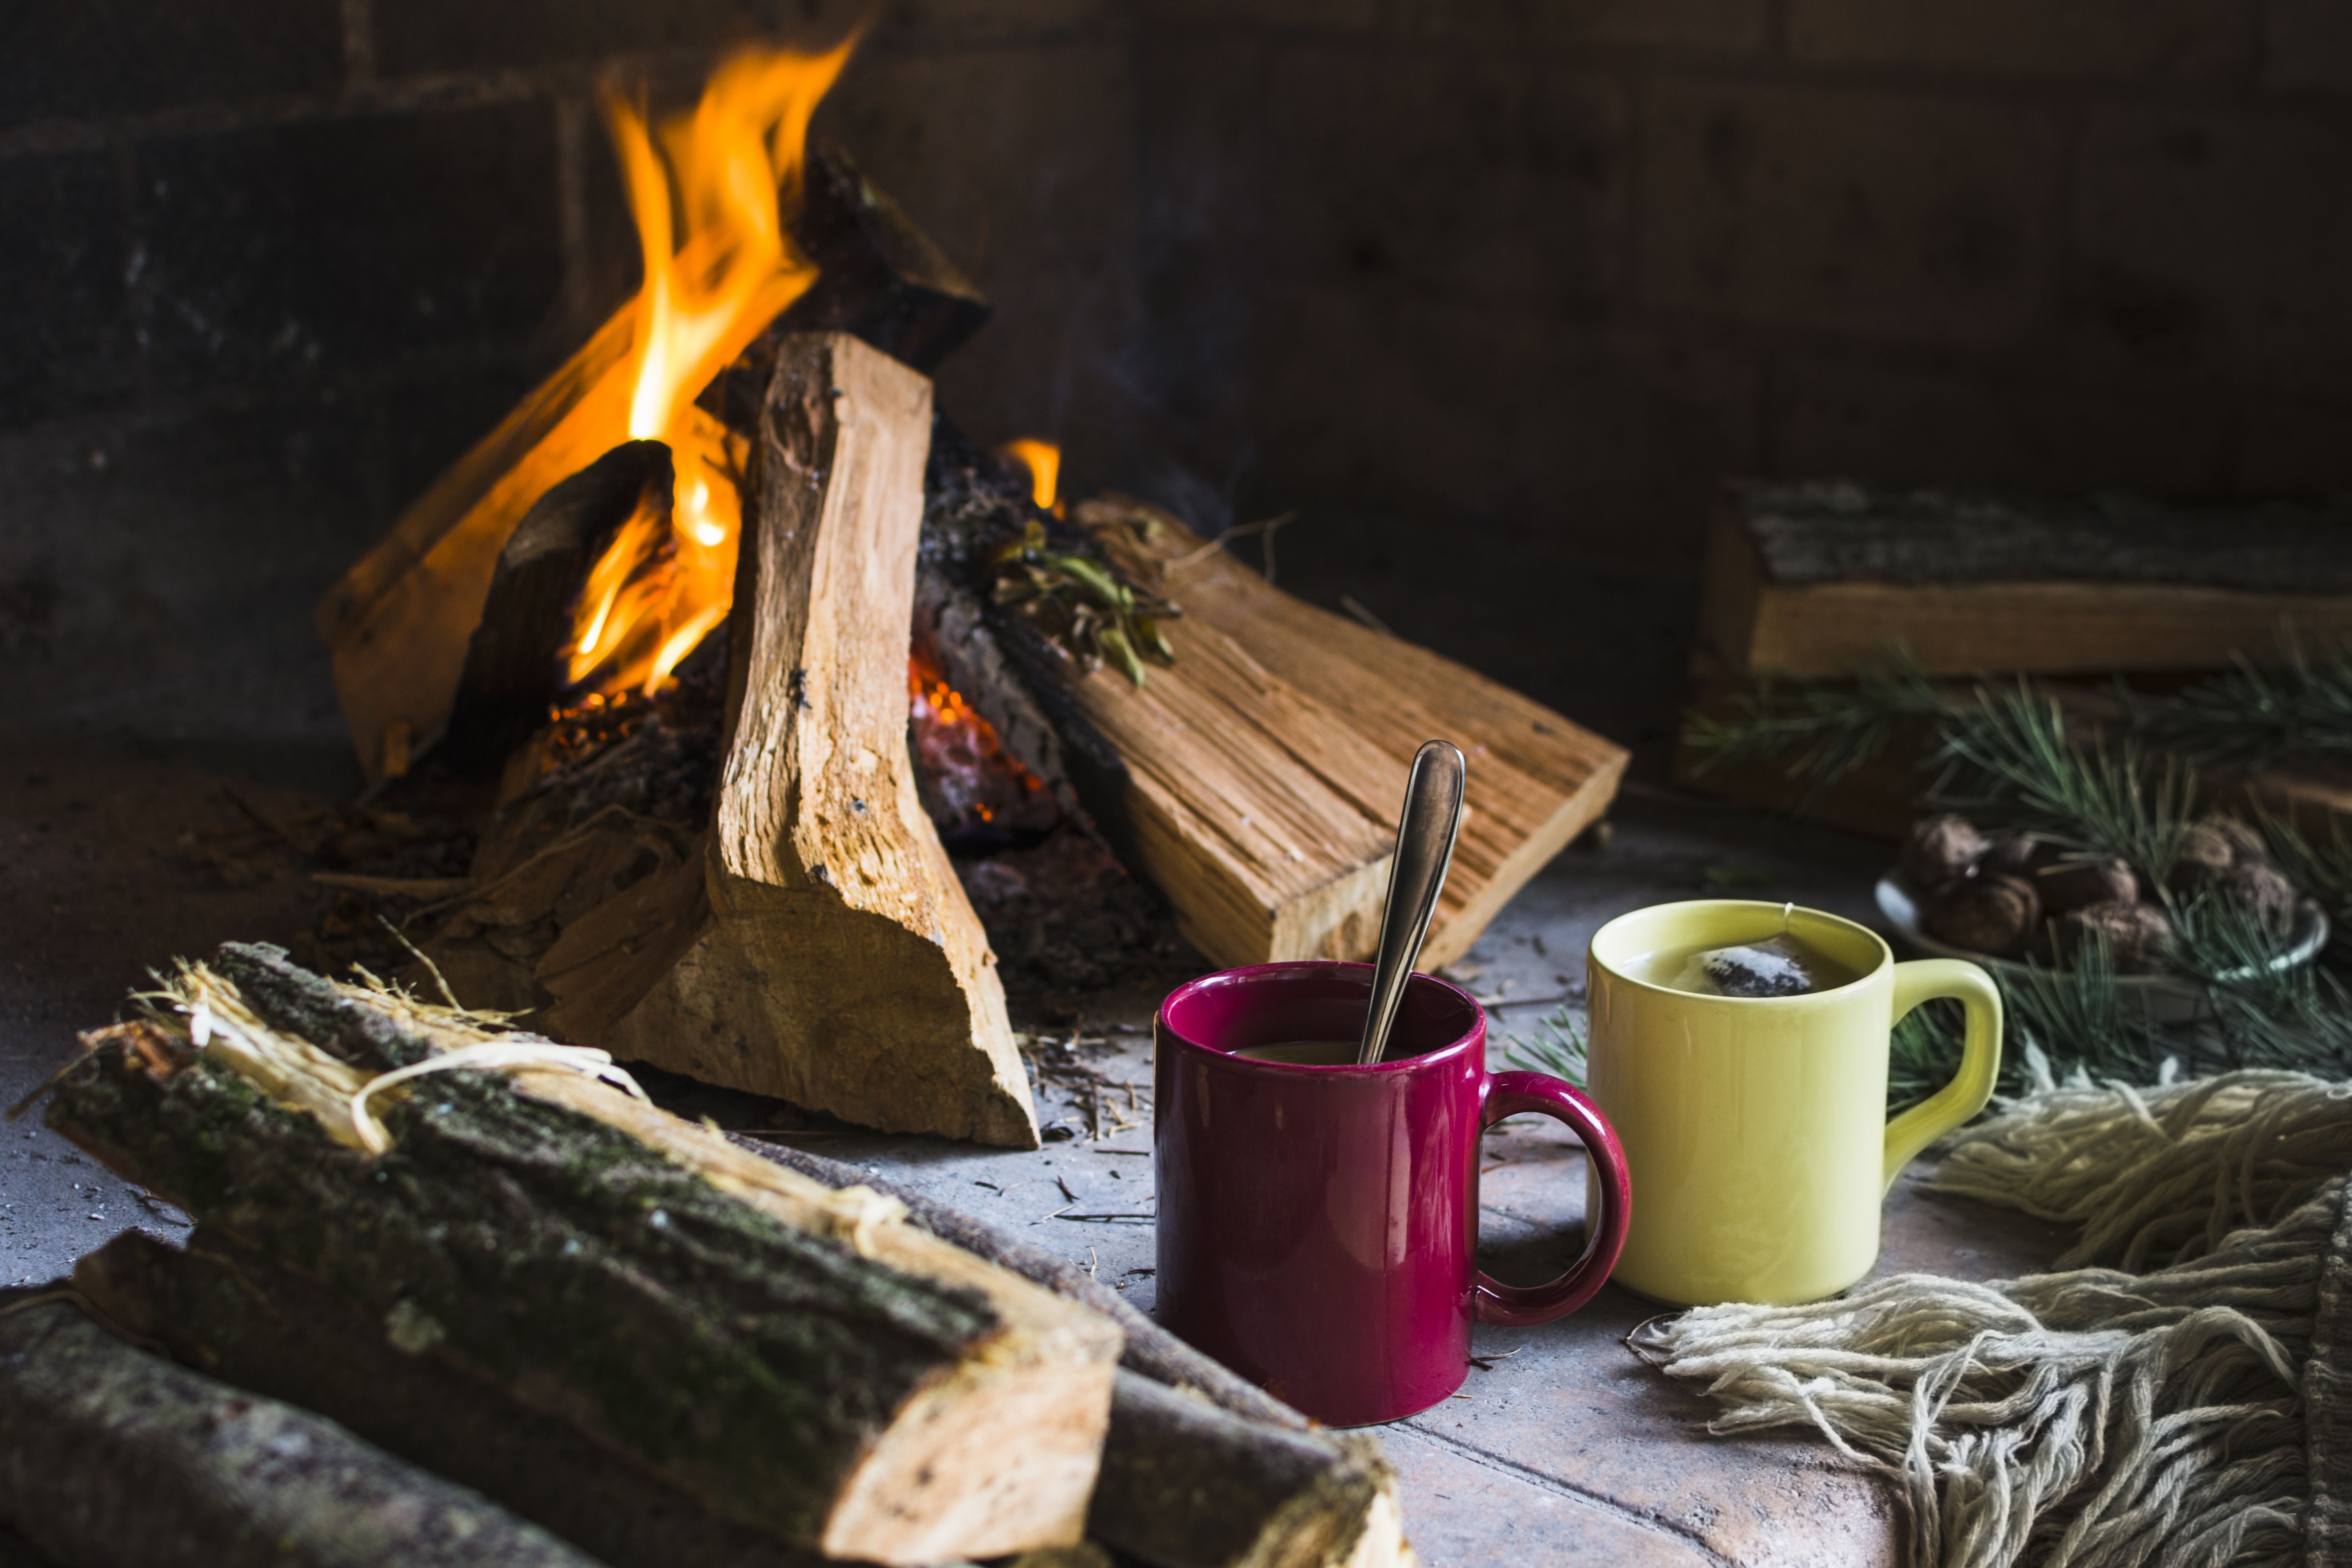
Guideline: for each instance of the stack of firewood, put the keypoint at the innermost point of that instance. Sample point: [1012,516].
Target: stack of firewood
[460,1296]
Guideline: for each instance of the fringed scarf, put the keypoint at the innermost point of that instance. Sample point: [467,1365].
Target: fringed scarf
[2180,1395]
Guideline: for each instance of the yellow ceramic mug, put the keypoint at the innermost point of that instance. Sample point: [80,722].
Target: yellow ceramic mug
[1755,1128]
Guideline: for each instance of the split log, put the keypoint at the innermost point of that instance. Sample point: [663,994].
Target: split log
[1816,580]
[840,965]
[398,622]
[1183,1484]
[798,1360]
[110,1455]
[1151,1350]
[1186,1485]
[1344,704]
[1202,1468]
[232,1314]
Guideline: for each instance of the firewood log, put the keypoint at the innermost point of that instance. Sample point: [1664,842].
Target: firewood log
[798,1360]
[1351,706]
[232,1314]
[1151,1350]
[398,622]
[511,672]
[110,1455]
[840,965]
[1186,1485]
[1202,1470]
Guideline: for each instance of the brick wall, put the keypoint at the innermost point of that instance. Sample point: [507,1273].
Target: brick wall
[1496,288]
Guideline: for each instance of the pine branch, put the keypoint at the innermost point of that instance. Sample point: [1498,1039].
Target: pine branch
[2256,713]
[2009,760]
[1827,730]
[1559,1049]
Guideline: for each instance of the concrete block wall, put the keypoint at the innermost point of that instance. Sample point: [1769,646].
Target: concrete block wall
[1496,289]
[272,264]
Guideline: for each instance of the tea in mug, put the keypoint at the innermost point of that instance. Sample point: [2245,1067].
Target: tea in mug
[1775,966]
[1305,1053]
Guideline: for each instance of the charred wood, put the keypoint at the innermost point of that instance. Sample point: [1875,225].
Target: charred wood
[512,672]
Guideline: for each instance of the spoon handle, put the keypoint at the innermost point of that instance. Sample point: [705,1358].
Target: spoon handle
[1425,851]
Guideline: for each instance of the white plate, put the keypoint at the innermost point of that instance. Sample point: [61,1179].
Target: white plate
[2163,998]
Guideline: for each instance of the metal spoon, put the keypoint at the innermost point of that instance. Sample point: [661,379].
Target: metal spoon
[1425,852]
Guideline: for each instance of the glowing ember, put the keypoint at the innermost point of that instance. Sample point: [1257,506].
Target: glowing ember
[730,173]
[1044,461]
[972,788]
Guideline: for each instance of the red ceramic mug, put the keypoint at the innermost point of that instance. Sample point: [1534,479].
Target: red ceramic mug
[1317,1225]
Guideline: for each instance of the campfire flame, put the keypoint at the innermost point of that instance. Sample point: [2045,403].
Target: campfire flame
[1044,461]
[730,174]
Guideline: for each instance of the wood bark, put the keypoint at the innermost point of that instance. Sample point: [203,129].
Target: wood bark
[840,965]
[1186,1485]
[232,1314]
[1347,706]
[1202,1468]
[1150,1349]
[111,1454]
[1183,1485]
[673,1297]
[1814,581]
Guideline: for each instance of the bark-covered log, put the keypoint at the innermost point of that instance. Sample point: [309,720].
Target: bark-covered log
[513,673]
[607,1264]
[232,1314]
[1151,1350]
[1202,1468]
[109,1456]
[1186,1485]
[1817,580]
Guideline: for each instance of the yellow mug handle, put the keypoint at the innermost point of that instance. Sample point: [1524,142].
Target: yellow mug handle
[1928,980]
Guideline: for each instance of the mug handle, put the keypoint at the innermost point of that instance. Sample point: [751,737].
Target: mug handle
[1926,980]
[1517,1306]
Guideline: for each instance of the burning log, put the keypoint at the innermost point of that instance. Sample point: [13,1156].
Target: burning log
[838,962]
[399,621]
[111,1454]
[510,679]
[798,1360]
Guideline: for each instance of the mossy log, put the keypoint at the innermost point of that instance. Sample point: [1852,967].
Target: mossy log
[797,1363]
[110,1455]
[1151,1350]
[232,1314]
[1202,1468]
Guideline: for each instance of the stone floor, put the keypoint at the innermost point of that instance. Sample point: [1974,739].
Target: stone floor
[1564,1447]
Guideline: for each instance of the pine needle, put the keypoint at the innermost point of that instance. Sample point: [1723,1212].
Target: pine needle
[1559,1047]
[2301,707]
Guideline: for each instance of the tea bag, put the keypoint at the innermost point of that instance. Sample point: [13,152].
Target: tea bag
[1777,966]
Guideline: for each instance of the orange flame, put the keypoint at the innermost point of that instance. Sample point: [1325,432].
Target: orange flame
[730,173]
[1044,461]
